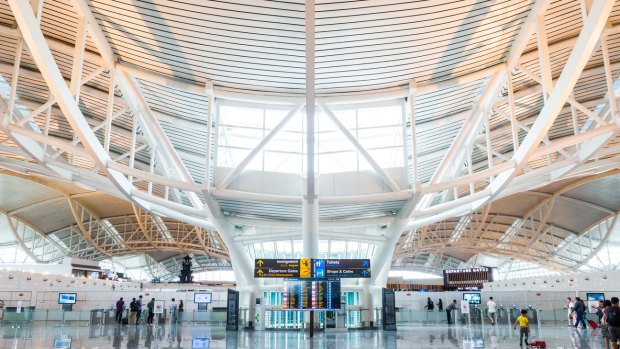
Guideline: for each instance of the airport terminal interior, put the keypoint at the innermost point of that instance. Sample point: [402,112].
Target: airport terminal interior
[309,174]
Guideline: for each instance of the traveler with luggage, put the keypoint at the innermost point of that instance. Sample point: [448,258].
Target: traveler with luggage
[580,309]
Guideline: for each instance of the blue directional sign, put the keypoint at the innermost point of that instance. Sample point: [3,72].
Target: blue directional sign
[319,268]
[346,268]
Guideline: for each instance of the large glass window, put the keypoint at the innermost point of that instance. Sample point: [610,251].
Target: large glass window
[378,128]
[327,249]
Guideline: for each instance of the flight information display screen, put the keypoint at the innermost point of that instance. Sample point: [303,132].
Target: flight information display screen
[311,295]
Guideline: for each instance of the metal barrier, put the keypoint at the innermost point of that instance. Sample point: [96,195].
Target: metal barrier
[97,317]
[18,316]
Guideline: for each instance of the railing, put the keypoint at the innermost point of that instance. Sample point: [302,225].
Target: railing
[28,315]
[288,319]
[479,316]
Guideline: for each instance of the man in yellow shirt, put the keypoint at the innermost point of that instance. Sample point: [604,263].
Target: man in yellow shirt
[524,322]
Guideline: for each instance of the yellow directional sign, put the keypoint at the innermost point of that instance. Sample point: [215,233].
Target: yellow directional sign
[304,268]
[277,268]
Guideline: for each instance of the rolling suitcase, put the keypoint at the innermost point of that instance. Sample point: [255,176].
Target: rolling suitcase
[538,344]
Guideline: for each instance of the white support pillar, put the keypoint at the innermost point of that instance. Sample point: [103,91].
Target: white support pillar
[209,90]
[310,206]
[414,143]
[310,203]
[310,224]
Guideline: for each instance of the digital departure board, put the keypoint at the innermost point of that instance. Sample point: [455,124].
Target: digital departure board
[466,279]
[311,295]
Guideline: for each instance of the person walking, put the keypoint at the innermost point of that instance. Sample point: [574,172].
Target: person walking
[151,309]
[173,311]
[133,310]
[120,307]
[580,310]
[492,307]
[451,306]
[440,305]
[599,311]
[180,306]
[524,324]
[604,325]
[429,304]
[139,309]
[570,305]
[613,322]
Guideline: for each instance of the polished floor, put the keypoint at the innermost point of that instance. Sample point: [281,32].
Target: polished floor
[417,337]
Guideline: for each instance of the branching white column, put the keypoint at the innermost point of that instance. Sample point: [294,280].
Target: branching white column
[310,225]
[310,205]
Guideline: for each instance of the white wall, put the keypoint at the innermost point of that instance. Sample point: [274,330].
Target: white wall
[546,293]
[540,300]
[579,282]
[41,290]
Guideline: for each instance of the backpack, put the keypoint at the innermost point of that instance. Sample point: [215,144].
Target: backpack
[133,306]
[613,317]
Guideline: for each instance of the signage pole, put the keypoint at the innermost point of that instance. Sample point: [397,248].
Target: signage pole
[311,324]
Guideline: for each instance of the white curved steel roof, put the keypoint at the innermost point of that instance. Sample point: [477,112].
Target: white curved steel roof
[498,100]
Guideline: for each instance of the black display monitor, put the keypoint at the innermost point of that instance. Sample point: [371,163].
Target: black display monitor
[67,298]
[472,298]
[202,297]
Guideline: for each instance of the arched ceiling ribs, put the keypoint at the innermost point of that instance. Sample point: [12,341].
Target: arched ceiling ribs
[100,234]
[93,149]
[157,269]
[163,235]
[587,244]
[538,215]
[38,246]
[143,217]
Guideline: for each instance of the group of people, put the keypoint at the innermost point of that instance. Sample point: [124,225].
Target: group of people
[135,311]
[608,312]
[491,306]
[430,305]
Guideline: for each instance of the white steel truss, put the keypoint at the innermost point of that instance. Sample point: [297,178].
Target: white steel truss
[151,172]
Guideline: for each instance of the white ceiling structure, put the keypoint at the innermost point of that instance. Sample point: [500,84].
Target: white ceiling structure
[470,133]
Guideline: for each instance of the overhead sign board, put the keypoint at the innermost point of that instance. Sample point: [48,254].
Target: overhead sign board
[342,268]
[307,268]
[277,268]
